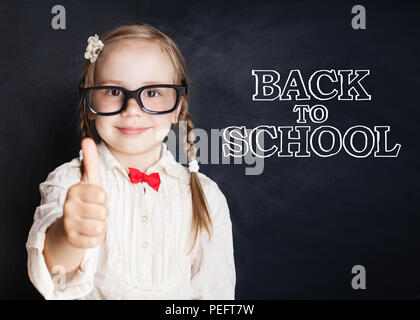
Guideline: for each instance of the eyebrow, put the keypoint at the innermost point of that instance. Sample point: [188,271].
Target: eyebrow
[120,83]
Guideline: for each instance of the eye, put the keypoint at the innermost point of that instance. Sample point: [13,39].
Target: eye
[114,92]
[154,93]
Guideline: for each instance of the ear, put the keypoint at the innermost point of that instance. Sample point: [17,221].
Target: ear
[175,114]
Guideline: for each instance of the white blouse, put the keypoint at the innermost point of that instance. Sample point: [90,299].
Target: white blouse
[144,251]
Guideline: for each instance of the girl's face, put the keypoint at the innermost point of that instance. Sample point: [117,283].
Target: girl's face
[132,64]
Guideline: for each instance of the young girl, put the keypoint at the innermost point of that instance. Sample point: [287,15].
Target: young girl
[125,220]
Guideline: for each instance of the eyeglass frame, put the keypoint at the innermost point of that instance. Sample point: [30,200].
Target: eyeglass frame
[180,90]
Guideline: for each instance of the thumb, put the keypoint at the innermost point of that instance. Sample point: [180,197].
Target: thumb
[91,173]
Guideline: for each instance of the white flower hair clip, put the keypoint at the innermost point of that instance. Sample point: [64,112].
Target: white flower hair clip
[193,166]
[94,44]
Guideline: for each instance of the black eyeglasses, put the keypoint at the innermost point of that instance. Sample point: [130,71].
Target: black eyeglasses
[153,99]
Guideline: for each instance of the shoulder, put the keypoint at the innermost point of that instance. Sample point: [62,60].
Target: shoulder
[55,186]
[209,185]
[216,200]
[65,175]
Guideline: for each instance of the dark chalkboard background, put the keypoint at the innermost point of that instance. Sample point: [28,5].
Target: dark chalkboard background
[301,225]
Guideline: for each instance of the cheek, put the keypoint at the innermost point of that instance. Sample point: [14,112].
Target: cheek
[103,124]
[162,126]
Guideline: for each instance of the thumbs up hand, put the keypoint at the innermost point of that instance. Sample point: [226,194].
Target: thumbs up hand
[85,211]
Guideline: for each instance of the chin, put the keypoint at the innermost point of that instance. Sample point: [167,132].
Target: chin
[137,145]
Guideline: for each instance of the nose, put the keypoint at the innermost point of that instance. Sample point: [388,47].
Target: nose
[133,108]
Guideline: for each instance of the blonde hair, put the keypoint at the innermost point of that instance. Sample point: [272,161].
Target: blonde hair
[200,216]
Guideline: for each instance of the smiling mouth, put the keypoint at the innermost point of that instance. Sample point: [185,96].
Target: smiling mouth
[132,130]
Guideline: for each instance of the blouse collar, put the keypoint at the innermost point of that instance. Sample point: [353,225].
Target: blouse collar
[166,162]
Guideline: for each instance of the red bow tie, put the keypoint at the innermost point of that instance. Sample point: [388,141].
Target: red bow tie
[152,179]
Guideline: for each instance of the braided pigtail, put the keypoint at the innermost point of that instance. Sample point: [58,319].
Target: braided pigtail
[200,218]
